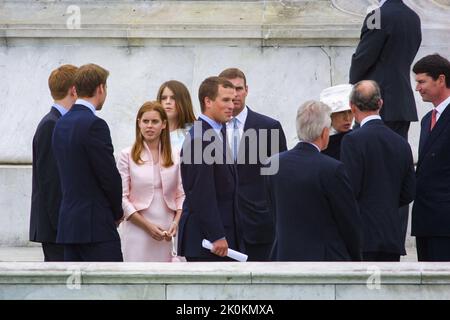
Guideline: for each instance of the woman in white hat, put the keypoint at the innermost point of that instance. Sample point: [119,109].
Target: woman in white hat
[338,99]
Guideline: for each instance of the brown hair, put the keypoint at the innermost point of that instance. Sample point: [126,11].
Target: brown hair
[88,77]
[183,102]
[233,73]
[210,88]
[61,80]
[138,146]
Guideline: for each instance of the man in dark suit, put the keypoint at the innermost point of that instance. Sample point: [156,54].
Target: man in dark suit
[250,137]
[91,206]
[209,179]
[316,215]
[46,190]
[390,39]
[381,169]
[431,210]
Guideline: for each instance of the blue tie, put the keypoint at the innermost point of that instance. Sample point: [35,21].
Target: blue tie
[235,139]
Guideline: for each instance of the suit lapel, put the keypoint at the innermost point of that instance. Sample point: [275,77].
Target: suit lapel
[441,124]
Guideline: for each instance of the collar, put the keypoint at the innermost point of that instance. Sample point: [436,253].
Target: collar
[382,2]
[214,124]
[242,116]
[367,119]
[441,107]
[60,108]
[318,149]
[86,104]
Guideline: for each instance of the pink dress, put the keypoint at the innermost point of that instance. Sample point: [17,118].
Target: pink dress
[138,245]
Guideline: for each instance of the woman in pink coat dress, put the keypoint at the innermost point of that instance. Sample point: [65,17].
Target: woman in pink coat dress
[152,191]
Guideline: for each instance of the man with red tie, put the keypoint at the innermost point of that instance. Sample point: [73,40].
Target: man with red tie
[431,210]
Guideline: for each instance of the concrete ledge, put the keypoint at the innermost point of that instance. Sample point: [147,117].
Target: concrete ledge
[270,22]
[195,281]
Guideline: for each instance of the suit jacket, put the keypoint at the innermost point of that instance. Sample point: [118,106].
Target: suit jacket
[257,222]
[316,215]
[137,183]
[386,54]
[334,145]
[431,210]
[380,165]
[91,184]
[46,190]
[210,208]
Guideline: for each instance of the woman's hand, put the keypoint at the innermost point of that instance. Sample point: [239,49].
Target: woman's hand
[173,229]
[156,232]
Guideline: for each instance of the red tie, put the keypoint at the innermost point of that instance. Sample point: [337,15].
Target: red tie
[433,118]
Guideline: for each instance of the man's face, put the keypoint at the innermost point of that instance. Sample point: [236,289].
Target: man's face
[241,94]
[102,96]
[428,88]
[221,109]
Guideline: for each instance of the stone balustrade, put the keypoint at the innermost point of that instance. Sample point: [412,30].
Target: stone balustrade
[225,281]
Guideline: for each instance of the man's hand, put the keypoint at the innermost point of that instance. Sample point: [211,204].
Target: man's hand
[220,247]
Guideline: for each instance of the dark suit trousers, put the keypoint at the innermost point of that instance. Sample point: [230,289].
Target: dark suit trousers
[53,252]
[100,251]
[258,252]
[433,248]
[380,256]
[402,128]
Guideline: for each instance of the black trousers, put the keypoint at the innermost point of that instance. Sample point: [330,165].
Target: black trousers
[209,259]
[53,252]
[402,128]
[380,256]
[108,251]
[433,248]
[258,252]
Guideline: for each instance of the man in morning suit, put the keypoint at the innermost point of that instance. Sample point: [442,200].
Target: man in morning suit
[91,204]
[431,209]
[46,191]
[243,133]
[209,179]
[316,215]
[380,165]
[390,39]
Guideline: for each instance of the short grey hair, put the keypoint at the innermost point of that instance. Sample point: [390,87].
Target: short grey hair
[312,117]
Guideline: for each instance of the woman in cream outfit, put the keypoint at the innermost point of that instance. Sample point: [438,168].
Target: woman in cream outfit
[176,101]
[152,191]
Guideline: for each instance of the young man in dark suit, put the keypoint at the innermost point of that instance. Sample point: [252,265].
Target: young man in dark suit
[46,191]
[250,137]
[91,185]
[315,212]
[380,165]
[209,179]
[390,39]
[431,210]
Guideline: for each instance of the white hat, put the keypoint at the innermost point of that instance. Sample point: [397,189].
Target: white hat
[337,97]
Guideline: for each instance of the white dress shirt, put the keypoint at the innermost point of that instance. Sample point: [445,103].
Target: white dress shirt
[441,107]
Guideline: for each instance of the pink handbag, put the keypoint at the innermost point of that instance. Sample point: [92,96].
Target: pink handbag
[175,257]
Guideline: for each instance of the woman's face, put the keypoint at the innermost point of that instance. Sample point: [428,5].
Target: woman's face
[168,103]
[342,121]
[151,125]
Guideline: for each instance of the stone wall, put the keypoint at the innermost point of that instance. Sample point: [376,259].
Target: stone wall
[289,50]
